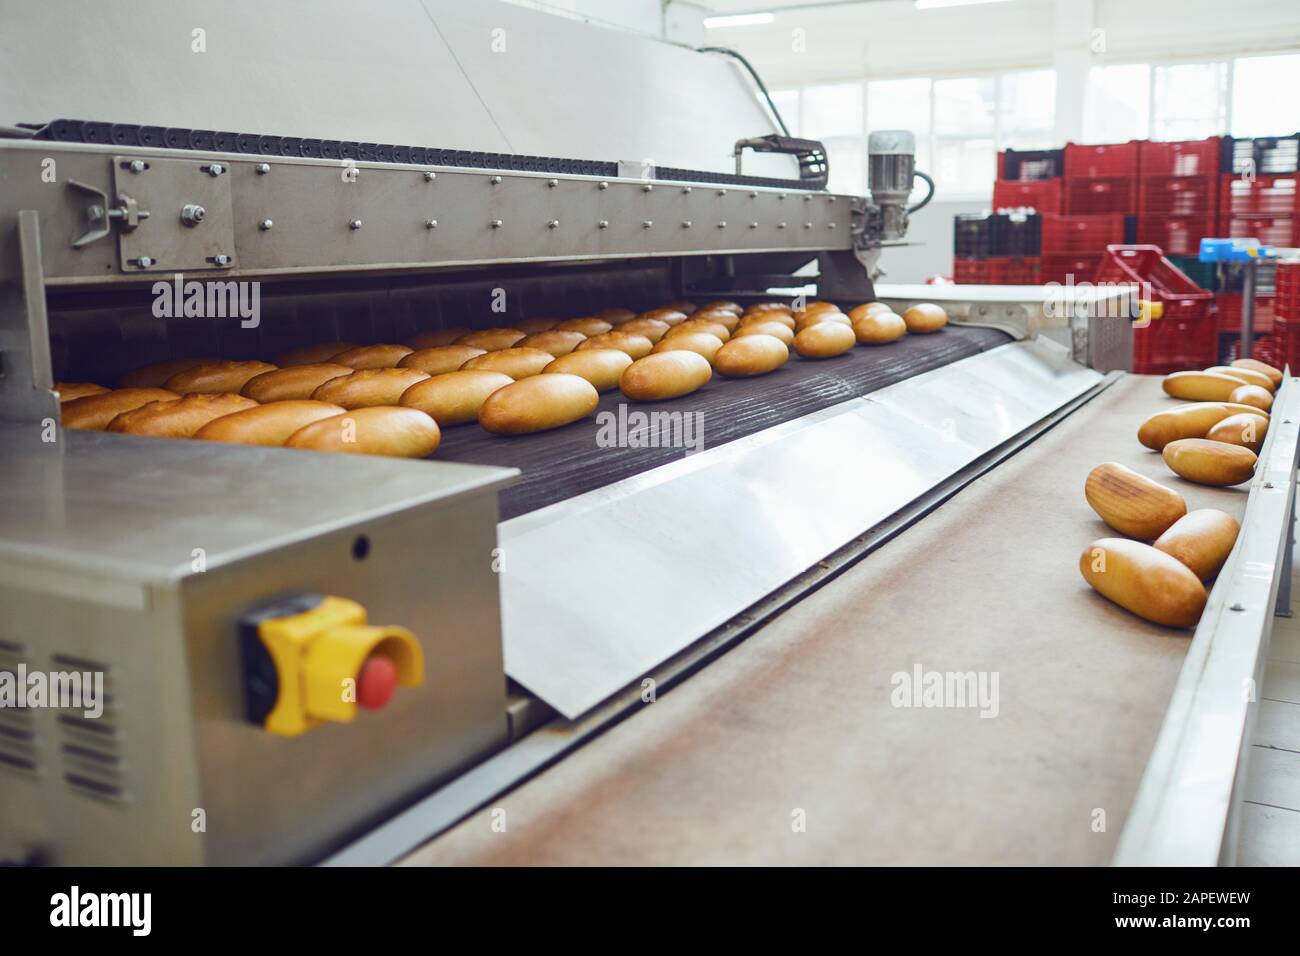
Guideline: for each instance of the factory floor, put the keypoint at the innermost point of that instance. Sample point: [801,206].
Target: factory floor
[796,747]
[1270,819]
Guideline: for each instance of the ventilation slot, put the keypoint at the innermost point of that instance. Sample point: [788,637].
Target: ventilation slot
[18,750]
[90,748]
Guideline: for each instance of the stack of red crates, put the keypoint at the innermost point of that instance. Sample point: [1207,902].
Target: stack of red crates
[1286,316]
[1184,336]
[1178,194]
[1260,207]
[1098,189]
[1101,179]
[1072,245]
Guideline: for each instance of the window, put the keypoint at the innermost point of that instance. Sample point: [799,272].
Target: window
[1027,110]
[1117,103]
[833,114]
[1189,101]
[1263,95]
[965,158]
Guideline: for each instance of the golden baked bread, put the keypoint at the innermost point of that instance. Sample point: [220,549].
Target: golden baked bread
[441,358]
[637,346]
[601,367]
[925,317]
[216,378]
[879,327]
[556,341]
[666,316]
[516,362]
[666,375]
[392,430]
[269,424]
[750,355]
[369,386]
[701,343]
[94,412]
[153,376]
[777,330]
[825,340]
[372,356]
[454,398]
[538,403]
[294,382]
[181,417]
[588,325]
[70,391]
[653,329]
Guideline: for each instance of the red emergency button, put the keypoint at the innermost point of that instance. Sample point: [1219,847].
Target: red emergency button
[376,682]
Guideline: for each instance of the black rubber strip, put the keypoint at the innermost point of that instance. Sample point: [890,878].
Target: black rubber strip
[255,144]
[569,461]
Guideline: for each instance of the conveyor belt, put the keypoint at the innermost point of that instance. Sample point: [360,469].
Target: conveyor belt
[799,721]
[560,464]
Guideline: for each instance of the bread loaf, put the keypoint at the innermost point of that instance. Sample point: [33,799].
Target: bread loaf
[601,367]
[440,358]
[748,355]
[269,424]
[395,431]
[216,378]
[295,382]
[538,403]
[666,375]
[180,417]
[516,362]
[372,356]
[94,412]
[454,398]
[153,376]
[369,386]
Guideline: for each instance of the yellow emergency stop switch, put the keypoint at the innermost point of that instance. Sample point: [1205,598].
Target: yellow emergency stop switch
[313,658]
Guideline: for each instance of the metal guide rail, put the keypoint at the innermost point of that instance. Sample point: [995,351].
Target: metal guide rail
[114,213]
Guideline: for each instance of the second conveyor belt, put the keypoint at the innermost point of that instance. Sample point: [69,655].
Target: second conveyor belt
[560,464]
[789,749]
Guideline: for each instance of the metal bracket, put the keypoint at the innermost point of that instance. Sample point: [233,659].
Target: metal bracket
[100,215]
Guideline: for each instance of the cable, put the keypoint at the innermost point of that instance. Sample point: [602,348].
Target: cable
[785,130]
[928,196]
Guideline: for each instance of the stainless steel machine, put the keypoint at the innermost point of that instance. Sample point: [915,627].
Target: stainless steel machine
[536,590]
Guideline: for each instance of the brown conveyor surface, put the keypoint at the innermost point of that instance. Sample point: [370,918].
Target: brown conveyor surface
[799,715]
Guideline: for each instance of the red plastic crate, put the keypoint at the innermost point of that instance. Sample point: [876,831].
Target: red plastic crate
[1176,235]
[1264,195]
[1058,268]
[1017,270]
[1270,230]
[1184,336]
[999,270]
[970,271]
[1229,312]
[1178,195]
[1188,158]
[1043,195]
[1081,234]
[1100,195]
[1286,301]
[1112,159]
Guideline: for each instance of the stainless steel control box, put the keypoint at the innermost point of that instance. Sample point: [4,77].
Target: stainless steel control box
[136,557]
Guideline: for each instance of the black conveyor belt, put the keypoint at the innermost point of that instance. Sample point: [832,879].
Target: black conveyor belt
[568,461]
